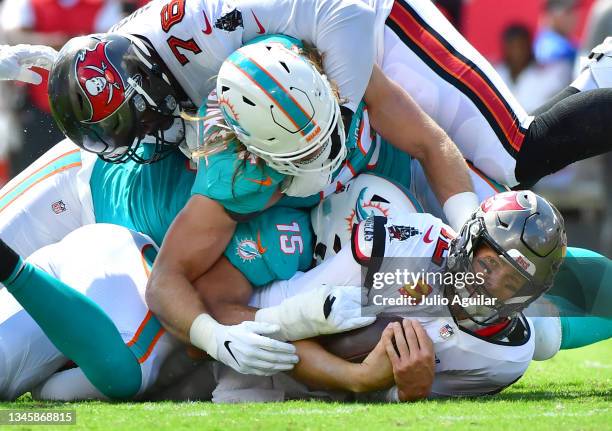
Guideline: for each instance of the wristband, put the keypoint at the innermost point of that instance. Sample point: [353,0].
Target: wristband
[458,209]
[202,334]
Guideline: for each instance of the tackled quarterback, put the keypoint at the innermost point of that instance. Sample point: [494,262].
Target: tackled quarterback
[268,185]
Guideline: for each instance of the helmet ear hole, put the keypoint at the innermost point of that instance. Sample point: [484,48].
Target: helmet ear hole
[224,88]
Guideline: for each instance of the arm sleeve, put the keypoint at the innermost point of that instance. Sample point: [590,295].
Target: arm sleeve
[343,30]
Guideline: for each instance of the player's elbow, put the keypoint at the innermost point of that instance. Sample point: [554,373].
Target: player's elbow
[154,292]
[432,146]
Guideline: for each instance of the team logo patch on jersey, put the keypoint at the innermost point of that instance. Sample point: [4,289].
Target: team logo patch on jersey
[402,233]
[58,207]
[446,331]
[248,250]
[230,21]
[101,82]
[365,209]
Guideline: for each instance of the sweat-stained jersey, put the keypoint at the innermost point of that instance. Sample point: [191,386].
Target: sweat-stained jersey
[193,37]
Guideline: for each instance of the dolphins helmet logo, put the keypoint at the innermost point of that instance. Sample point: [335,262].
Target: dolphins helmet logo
[366,208]
[101,82]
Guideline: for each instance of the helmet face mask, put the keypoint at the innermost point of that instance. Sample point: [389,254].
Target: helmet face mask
[110,93]
[497,246]
[282,109]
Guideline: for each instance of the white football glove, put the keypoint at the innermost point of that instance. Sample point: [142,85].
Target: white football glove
[243,347]
[599,61]
[325,310]
[15,62]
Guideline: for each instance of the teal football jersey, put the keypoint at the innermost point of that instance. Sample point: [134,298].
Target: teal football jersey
[147,198]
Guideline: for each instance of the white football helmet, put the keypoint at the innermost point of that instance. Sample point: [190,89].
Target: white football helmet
[282,109]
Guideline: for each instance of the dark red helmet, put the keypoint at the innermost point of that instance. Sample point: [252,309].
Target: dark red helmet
[111,92]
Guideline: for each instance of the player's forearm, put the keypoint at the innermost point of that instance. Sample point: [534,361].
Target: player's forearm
[398,119]
[175,302]
[226,293]
[195,240]
[319,369]
[447,172]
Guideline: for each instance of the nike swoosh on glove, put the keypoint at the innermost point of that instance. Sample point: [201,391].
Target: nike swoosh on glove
[244,347]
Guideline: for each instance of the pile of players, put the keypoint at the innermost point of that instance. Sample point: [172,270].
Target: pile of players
[247,145]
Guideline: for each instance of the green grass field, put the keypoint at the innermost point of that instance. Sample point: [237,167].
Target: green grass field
[571,391]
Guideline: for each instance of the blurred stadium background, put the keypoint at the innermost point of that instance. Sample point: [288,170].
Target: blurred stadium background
[534,44]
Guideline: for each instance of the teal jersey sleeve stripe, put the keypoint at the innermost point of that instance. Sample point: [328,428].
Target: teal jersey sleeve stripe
[283,99]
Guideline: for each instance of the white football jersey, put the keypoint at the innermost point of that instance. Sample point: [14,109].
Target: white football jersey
[416,244]
[193,37]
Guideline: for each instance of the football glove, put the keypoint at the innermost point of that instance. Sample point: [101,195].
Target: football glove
[325,310]
[15,62]
[599,61]
[244,347]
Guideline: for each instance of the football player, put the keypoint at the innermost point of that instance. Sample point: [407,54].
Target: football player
[536,144]
[509,361]
[106,267]
[106,176]
[413,44]
[479,348]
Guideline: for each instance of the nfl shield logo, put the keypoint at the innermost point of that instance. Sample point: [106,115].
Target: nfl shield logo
[58,207]
[446,332]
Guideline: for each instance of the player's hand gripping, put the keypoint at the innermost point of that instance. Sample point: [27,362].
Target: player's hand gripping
[413,360]
[244,347]
[15,62]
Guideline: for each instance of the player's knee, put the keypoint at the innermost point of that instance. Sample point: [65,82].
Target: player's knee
[547,337]
[118,376]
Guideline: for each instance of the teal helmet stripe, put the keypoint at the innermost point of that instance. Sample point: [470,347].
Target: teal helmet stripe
[287,104]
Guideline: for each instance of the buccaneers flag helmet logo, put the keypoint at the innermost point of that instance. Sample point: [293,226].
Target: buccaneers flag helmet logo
[101,82]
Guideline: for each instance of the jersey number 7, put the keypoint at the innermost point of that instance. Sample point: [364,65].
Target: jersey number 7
[171,14]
